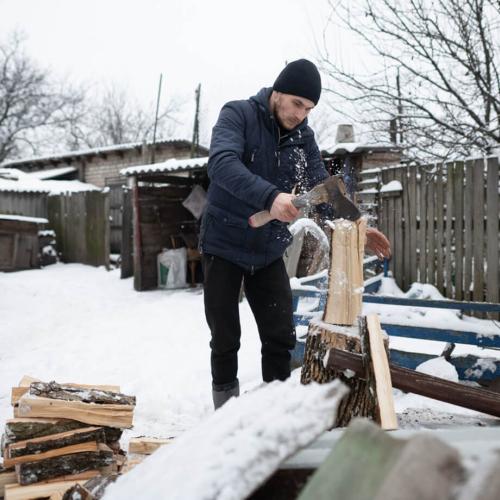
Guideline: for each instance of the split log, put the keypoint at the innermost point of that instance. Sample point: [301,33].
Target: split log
[345,284]
[54,445]
[473,398]
[44,490]
[22,429]
[421,468]
[146,446]
[24,388]
[108,415]
[53,390]
[75,463]
[361,400]
[6,477]
[97,486]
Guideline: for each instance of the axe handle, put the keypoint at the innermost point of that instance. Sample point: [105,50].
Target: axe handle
[263,217]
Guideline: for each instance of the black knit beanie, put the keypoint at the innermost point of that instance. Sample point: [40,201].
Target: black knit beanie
[300,78]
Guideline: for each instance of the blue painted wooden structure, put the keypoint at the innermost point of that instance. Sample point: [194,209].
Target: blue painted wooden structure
[468,367]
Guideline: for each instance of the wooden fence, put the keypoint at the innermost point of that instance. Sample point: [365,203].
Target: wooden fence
[30,204]
[81,223]
[443,225]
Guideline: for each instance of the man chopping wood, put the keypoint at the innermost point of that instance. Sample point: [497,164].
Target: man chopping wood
[261,148]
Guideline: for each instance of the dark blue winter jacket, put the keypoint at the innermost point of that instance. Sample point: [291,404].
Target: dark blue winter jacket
[250,163]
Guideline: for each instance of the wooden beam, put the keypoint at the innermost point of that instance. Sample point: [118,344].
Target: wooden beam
[474,398]
[383,384]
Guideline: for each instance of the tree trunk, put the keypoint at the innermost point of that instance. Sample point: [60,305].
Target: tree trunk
[361,400]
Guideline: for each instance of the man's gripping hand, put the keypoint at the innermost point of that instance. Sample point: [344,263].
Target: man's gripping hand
[283,208]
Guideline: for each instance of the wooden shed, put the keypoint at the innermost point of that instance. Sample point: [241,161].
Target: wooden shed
[156,196]
[19,243]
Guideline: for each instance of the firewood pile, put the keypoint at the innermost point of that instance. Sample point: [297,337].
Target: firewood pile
[62,437]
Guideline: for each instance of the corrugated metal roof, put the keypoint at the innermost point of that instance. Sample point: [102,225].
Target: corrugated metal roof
[89,152]
[172,165]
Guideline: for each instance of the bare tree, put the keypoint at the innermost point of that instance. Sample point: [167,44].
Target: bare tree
[434,75]
[114,117]
[31,101]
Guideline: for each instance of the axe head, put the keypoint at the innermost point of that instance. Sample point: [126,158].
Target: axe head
[333,191]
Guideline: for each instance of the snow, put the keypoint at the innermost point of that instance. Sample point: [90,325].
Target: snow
[369,191]
[448,319]
[170,165]
[12,179]
[237,447]
[309,226]
[155,346]
[36,220]
[391,187]
[51,172]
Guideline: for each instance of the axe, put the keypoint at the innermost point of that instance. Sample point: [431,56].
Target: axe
[332,191]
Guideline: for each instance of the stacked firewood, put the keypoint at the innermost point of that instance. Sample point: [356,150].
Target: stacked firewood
[62,435]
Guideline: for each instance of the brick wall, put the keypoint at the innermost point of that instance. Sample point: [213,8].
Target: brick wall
[99,168]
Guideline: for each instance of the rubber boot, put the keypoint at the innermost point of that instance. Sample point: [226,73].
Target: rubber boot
[222,393]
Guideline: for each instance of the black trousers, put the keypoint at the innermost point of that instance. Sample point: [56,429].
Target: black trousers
[270,298]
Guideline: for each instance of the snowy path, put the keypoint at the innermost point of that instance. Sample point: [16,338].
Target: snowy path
[76,323]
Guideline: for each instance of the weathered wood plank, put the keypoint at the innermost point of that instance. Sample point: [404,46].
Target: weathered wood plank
[439,234]
[398,232]
[406,228]
[468,211]
[378,356]
[412,209]
[492,233]
[450,212]
[432,210]
[478,231]
[422,236]
[6,477]
[459,229]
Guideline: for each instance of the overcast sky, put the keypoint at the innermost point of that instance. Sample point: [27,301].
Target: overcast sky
[232,47]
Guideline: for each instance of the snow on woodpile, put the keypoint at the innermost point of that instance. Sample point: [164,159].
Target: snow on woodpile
[15,180]
[238,447]
[23,218]
[310,227]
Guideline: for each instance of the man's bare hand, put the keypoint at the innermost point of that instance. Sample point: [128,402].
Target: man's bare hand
[377,243]
[283,208]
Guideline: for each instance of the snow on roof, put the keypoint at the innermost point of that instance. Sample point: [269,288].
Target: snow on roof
[36,220]
[15,180]
[357,147]
[90,151]
[172,165]
[52,172]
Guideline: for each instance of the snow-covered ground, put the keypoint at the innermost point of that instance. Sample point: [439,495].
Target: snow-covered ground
[76,323]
